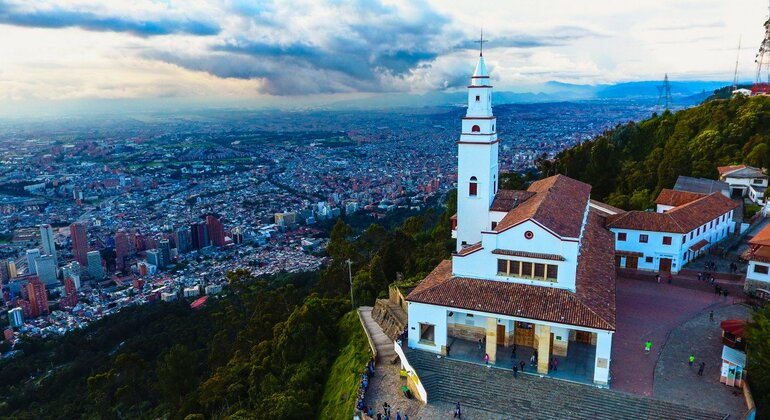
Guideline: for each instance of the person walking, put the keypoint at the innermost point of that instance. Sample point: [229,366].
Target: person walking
[515,370]
[522,364]
[647,346]
[532,360]
[670,278]
[555,364]
[691,359]
[458,412]
[657,278]
[486,359]
[513,351]
[479,344]
[700,369]
[398,414]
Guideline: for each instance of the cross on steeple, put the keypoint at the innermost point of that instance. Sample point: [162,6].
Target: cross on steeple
[481,42]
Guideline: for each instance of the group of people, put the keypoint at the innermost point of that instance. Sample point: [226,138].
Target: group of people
[707,276]
[658,278]
[386,413]
[364,385]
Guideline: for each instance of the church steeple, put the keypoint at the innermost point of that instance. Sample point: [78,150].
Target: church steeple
[477,155]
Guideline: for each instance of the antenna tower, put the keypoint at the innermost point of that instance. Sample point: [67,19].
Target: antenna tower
[763,55]
[664,92]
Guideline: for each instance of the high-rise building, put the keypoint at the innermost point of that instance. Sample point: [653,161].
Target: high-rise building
[72,270]
[49,247]
[79,243]
[38,298]
[16,317]
[237,235]
[45,269]
[5,276]
[164,249]
[32,254]
[182,239]
[122,249]
[70,298]
[95,267]
[200,235]
[216,230]
[12,273]
[154,258]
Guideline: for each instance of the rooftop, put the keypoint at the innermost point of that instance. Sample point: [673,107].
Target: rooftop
[676,198]
[557,202]
[591,305]
[700,185]
[680,219]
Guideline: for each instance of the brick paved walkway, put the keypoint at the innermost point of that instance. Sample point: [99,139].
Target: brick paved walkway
[676,381]
[647,310]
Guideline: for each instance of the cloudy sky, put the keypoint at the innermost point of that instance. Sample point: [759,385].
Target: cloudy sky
[263,50]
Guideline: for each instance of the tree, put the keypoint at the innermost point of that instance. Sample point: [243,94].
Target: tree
[758,356]
[176,373]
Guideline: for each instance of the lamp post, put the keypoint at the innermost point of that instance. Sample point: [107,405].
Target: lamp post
[350,279]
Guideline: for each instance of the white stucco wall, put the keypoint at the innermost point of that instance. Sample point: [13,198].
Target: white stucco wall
[655,249]
[422,313]
[483,263]
[752,275]
[603,350]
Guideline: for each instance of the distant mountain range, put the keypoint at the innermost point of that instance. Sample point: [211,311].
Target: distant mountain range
[683,93]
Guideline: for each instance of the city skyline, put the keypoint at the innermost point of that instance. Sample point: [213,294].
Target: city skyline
[169,54]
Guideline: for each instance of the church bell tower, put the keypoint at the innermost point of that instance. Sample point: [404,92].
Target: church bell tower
[477,159]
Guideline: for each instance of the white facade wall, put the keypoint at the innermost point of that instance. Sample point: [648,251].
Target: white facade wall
[660,208]
[753,275]
[655,249]
[480,161]
[437,316]
[483,263]
[603,351]
[428,314]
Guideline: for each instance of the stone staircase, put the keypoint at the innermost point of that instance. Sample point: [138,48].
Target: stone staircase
[530,396]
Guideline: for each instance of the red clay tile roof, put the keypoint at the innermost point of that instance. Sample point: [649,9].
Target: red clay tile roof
[506,200]
[592,305]
[723,170]
[559,203]
[676,198]
[682,219]
[761,238]
[527,254]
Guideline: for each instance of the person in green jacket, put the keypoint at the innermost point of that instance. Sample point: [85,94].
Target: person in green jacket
[691,359]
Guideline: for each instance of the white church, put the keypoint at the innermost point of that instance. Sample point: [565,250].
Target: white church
[533,268]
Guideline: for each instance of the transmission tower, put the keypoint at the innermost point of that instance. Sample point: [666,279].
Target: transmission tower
[737,56]
[763,55]
[664,92]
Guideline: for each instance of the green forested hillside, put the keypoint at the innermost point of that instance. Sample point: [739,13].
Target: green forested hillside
[631,163]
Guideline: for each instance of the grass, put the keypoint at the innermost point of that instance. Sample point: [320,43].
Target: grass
[339,398]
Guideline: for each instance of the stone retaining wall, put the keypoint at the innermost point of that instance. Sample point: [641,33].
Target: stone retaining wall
[383,314]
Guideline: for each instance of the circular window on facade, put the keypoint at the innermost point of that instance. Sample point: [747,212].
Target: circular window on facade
[529,235]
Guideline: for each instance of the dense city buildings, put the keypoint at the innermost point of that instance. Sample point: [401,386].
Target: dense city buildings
[154,205]
[79,243]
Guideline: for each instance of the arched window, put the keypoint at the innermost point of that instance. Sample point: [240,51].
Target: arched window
[473,188]
[475,129]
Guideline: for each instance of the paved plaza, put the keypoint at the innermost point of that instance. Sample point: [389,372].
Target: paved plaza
[649,311]
[676,381]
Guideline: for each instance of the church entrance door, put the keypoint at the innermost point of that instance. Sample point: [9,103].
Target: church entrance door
[524,334]
[665,265]
[500,335]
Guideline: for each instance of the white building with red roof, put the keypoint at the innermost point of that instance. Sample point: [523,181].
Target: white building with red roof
[685,225]
[758,270]
[533,269]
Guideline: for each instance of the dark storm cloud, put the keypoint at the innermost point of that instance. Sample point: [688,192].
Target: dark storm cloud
[12,14]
